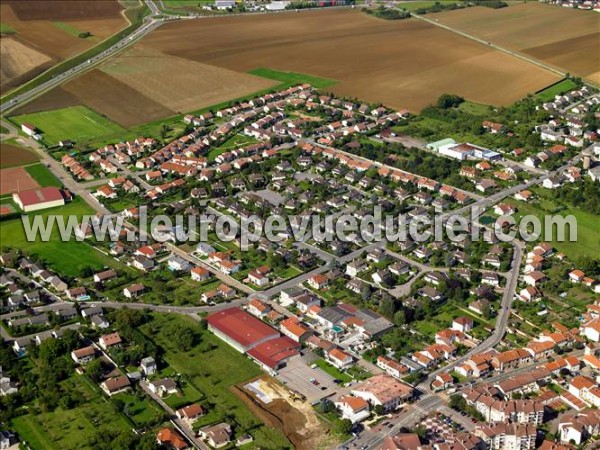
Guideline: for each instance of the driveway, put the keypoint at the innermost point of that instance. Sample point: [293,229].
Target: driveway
[297,373]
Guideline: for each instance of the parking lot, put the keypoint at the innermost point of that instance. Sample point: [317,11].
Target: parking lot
[297,375]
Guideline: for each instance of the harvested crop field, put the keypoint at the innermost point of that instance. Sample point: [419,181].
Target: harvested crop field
[16,179]
[51,28]
[12,155]
[109,97]
[180,84]
[188,65]
[142,86]
[405,63]
[20,60]
[562,37]
[64,9]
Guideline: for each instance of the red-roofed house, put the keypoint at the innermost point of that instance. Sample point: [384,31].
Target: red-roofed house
[294,330]
[339,358]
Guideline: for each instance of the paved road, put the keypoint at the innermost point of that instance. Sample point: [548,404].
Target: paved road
[57,169]
[150,24]
[217,273]
[431,402]
[179,424]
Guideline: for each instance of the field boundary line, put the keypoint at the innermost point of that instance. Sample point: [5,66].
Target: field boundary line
[489,44]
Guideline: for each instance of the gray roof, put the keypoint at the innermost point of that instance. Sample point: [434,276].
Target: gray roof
[333,314]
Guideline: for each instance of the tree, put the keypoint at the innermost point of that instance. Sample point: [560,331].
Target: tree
[447,101]
[457,402]
[95,370]
[399,317]
[379,410]
[342,427]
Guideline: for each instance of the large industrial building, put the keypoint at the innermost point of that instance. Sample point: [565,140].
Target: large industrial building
[36,199]
[249,335]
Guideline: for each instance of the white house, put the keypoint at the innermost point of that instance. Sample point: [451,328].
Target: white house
[355,409]
[339,358]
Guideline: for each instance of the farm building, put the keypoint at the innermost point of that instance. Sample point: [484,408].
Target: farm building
[36,199]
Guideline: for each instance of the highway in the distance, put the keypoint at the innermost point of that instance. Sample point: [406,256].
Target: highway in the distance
[150,24]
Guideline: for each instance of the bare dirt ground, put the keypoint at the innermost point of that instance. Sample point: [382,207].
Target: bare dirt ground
[64,9]
[405,63]
[18,60]
[11,156]
[115,99]
[178,83]
[563,37]
[295,418]
[37,31]
[16,179]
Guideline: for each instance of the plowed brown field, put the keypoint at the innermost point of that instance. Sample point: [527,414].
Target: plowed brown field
[12,155]
[563,37]
[404,63]
[36,32]
[178,83]
[188,65]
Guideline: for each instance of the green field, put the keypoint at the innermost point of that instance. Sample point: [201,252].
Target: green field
[239,140]
[75,123]
[411,6]
[68,258]
[6,29]
[588,232]
[142,411]
[293,78]
[69,29]
[556,89]
[42,175]
[212,367]
[72,428]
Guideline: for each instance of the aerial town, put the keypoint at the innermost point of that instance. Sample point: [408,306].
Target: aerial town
[142,330]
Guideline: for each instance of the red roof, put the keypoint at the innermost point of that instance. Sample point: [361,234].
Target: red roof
[272,352]
[42,195]
[241,326]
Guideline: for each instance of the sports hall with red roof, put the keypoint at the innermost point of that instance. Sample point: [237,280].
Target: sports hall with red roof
[250,335]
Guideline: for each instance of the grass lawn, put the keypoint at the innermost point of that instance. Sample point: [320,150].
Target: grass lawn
[212,367]
[69,429]
[42,175]
[476,109]
[411,6]
[239,140]
[333,371]
[74,123]
[68,258]
[561,87]
[293,78]
[142,411]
